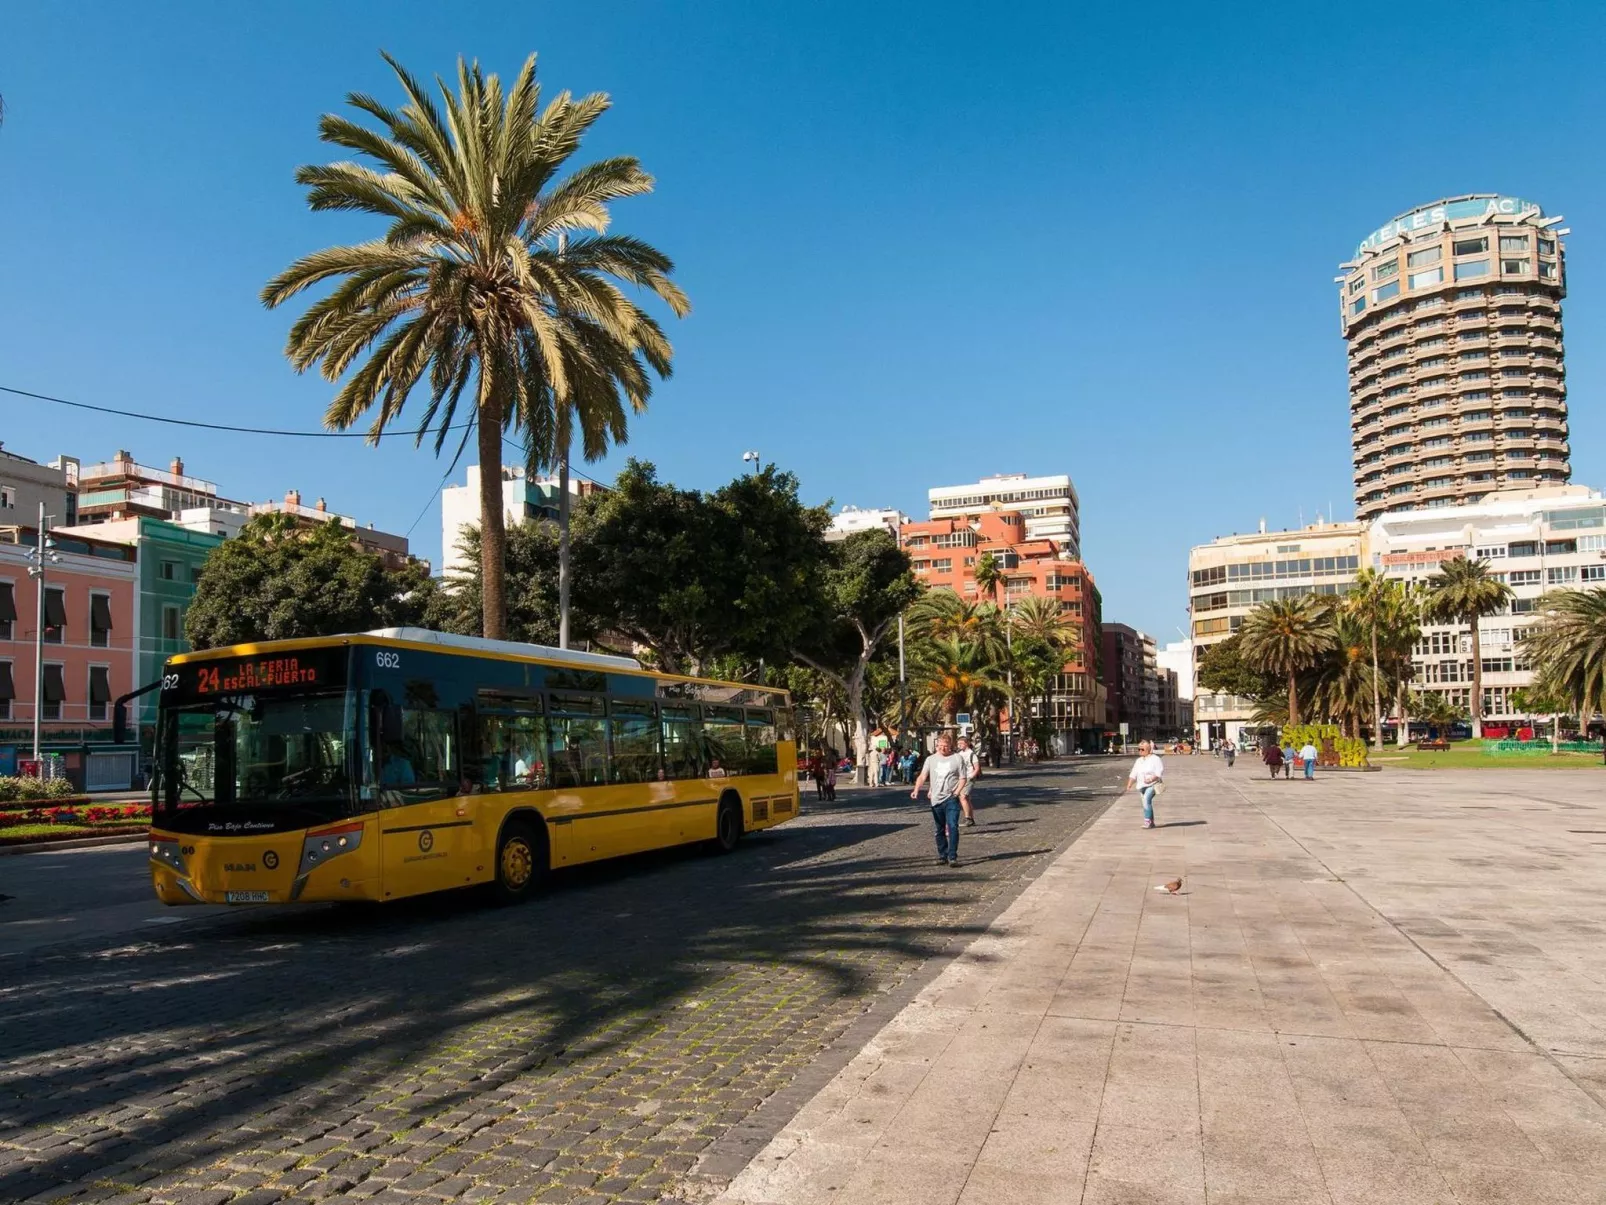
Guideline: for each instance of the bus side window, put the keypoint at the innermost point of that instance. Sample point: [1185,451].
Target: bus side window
[420,763]
[726,750]
[633,727]
[513,750]
[761,756]
[579,741]
[683,742]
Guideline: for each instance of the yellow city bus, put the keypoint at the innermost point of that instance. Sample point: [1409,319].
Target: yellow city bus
[402,761]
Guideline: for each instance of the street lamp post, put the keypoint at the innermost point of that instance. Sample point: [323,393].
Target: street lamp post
[903,686]
[36,570]
[751,456]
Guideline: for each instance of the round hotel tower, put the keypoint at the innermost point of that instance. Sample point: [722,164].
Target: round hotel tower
[1452,314]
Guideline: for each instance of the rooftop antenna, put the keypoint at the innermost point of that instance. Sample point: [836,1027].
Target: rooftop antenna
[1302,515]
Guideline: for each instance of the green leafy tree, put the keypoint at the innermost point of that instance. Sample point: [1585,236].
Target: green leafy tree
[1542,698]
[1286,636]
[694,576]
[496,272]
[865,583]
[1568,649]
[1435,709]
[1223,669]
[950,671]
[280,581]
[1463,592]
[530,580]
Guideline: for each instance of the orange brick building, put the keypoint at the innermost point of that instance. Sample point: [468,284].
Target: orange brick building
[945,551]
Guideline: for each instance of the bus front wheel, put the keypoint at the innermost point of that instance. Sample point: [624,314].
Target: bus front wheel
[521,862]
[728,826]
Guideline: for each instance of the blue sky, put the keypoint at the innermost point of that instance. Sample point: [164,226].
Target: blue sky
[924,242]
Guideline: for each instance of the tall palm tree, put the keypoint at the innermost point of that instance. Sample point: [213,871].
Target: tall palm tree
[1462,591]
[1372,602]
[1568,648]
[939,614]
[1041,617]
[951,671]
[1288,635]
[496,272]
[1346,680]
[989,576]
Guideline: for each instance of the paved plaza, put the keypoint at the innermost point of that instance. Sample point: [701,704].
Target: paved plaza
[1383,989]
[591,1046]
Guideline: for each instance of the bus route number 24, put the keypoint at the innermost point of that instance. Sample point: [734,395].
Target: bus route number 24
[385,659]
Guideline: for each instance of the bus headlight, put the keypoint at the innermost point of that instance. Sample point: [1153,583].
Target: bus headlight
[322,844]
[169,854]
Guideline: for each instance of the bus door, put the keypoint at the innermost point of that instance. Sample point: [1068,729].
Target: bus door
[429,838]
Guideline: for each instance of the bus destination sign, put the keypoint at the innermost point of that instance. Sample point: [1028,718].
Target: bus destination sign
[315,669]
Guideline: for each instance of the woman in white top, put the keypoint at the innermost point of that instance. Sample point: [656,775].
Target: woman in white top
[1147,773]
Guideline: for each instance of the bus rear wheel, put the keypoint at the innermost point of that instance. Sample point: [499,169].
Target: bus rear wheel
[521,862]
[728,826]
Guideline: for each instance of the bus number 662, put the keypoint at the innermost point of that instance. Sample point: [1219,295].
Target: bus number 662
[387,660]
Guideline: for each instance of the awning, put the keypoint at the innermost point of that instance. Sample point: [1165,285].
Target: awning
[55,609]
[7,690]
[100,613]
[100,687]
[55,688]
[8,603]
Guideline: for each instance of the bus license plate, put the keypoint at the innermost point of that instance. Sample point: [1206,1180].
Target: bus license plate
[245,897]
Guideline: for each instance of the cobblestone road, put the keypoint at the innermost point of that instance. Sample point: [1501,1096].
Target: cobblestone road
[587,1047]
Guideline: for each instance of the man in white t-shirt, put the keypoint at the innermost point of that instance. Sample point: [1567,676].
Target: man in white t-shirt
[1308,755]
[1147,774]
[945,770]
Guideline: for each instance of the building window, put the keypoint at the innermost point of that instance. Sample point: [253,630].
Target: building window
[100,620]
[1428,255]
[1593,573]
[172,625]
[1385,270]
[1560,547]
[100,691]
[1470,246]
[1513,242]
[8,498]
[1472,269]
[1514,267]
[55,691]
[1547,269]
[8,610]
[55,615]
[1427,279]
[1392,289]
[1561,575]
[170,571]
[1357,305]
[8,690]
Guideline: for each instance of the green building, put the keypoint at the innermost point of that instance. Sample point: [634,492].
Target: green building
[170,560]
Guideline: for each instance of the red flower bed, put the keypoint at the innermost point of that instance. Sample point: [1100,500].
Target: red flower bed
[84,813]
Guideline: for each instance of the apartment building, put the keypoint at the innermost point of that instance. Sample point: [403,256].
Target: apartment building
[89,616]
[1048,506]
[944,552]
[523,498]
[25,485]
[1230,576]
[1452,316]
[1132,682]
[1534,541]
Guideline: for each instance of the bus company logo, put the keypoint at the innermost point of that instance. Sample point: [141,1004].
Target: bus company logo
[239,866]
[426,841]
[270,860]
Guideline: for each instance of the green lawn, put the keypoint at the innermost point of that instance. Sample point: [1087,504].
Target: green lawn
[1470,755]
[38,832]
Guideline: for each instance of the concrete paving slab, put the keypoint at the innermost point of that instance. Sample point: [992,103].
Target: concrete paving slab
[1374,988]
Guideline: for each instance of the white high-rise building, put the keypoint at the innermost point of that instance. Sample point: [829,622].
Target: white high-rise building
[851,519]
[1048,505]
[522,498]
[1534,541]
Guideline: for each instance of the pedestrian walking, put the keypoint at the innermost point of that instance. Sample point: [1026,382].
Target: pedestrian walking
[972,773]
[945,772]
[1288,759]
[830,778]
[1230,748]
[1309,755]
[817,773]
[1148,776]
[1272,755]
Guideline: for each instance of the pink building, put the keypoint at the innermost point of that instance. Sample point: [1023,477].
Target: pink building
[90,637]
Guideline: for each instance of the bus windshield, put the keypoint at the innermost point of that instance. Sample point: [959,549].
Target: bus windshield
[257,752]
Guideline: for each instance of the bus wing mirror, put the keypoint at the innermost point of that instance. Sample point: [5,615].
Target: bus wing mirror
[120,711]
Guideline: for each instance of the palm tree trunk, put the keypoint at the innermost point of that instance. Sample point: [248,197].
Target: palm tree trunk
[1377,697]
[1402,738]
[1477,682]
[563,537]
[1293,700]
[493,525]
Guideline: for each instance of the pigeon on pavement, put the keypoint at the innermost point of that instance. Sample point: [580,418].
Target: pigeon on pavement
[1174,886]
